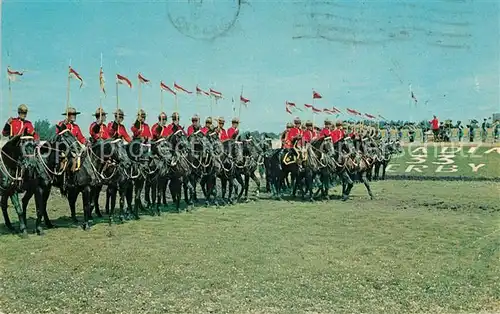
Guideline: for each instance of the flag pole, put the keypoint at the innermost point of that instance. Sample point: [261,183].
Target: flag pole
[68,91]
[117,100]
[176,106]
[314,107]
[100,93]
[139,82]
[161,99]
[10,97]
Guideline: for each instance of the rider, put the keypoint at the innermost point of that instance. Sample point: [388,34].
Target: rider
[140,129]
[19,125]
[221,131]
[326,131]
[116,129]
[98,129]
[338,133]
[69,123]
[233,131]
[295,132]
[309,134]
[159,130]
[284,142]
[174,126]
[207,127]
[195,126]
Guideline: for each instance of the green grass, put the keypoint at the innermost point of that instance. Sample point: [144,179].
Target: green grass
[418,247]
[434,158]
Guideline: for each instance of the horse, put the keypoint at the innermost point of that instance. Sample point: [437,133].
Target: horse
[318,163]
[161,156]
[358,164]
[18,170]
[200,157]
[387,148]
[139,154]
[253,156]
[283,163]
[230,155]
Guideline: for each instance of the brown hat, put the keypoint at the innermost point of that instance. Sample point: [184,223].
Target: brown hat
[309,123]
[71,111]
[208,120]
[235,120]
[195,118]
[297,120]
[119,112]
[141,113]
[22,109]
[328,122]
[162,115]
[99,112]
[289,125]
[175,115]
[338,123]
[221,119]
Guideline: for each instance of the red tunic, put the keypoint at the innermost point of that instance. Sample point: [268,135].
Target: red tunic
[18,127]
[435,124]
[325,132]
[337,135]
[223,134]
[121,131]
[75,130]
[102,134]
[170,129]
[293,133]
[191,130]
[231,132]
[142,131]
[309,135]
[162,133]
[204,130]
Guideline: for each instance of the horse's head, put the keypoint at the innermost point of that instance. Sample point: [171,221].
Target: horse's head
[162,148]
[250,147]
[200,143]
[235,150]
[179,140]
[20,150]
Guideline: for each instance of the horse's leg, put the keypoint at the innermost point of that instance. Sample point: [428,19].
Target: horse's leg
[152,195]
[223,183]
[246,185]
[45,191]
[108,199]
[4,203]
[257,183]
[111,190]
[86,207]
[347,181]
[367,184]
[38,208]
[72,196]
[147,191]
[95,192]
[384,166]
[129,195]
[14,198]
[241,182]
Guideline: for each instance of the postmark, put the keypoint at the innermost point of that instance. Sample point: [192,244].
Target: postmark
[202,19]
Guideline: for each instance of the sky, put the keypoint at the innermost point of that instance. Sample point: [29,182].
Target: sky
[357,54]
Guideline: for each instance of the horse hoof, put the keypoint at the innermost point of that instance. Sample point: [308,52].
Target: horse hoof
[24,234]
[86,226]
[40,232]
[50,226]
[345,198]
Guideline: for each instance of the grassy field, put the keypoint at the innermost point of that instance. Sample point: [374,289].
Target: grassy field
[419,247]
[448,160]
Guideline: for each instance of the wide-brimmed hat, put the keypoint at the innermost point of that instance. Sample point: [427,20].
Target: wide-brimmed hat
[195,117]
[221,119]
[328,122]
[175,115]
[71,111]
[297,120]
[208,120]
[119,112]
[235,120]
[99,112]
[289,125]
[141,112]
[162,114]
[22,109]
[309,123]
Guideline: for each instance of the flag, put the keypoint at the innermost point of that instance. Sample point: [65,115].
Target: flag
[291,104]
[369,116]
[13,74]
[123,80]
[329,111]
[308,105]
[244,100]
[414,98]
[381,117]
[316,110]
[142,79]
[287,107]
[178,87]
[74,74]
[316,95]
[336,110]
[199,91]
[215,93]
[353,112]
[102,81]
[167,88]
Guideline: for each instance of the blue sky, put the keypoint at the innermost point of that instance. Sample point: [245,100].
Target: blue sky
[361,55]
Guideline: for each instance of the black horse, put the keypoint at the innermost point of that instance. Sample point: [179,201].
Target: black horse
[18,170]
[253,158]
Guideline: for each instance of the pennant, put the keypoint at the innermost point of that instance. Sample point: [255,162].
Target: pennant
[123,80]
[308,106]
[164,87]
[75,75]
[287,108]
[414,98]
[353,112]
[316,95]
[178,87]
[142,79]
[381,117]
[328,111]
[369,116]
[199,91]
[291,104]
[102,81]
[336,110]
[12,75]
[215,93]
[316,110]
[244,100]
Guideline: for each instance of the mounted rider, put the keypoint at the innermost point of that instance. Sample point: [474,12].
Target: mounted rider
[69,123]
[233,131]
[195,125]
[140,129]
[309,134]
[338,133]
[207,127]
[326,131]
[19,125]
[159,129]
[295,132]
[116,129]
[284,142]
[221,131]
[98,129]
[174,126]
